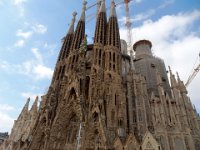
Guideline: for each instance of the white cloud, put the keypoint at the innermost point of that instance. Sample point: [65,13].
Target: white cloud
[6,107]
[139,17]
[42,72]
[20,6]
[50,48]
[39,28]
[24,34]
[174,41]
[4,64]
[6,122]
[19,43]
[34,68]
[166,3]
[37,55]
[144,16]
[19,2]
[147,14]
[35,29]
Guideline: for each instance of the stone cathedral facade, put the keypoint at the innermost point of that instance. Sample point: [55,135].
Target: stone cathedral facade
[101,98]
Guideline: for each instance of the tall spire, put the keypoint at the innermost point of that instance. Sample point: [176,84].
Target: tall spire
[100,30]
[98,7]
[113,37]
[67,39]
[80,30]
[26,105]
[102,7]
[181,84]
[25,108]
[35,105]
[83,11]
[112,9]
[71,27]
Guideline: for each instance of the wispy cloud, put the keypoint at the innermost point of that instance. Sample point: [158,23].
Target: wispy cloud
[42,72]
[19,2]
[6,122]
[34,68]
[24,34]
[28,32]
[4,64]
[5,119]
[37,55]
[20,5]
[144,16]
[6,107]
[148,13]
[39,28]
[34,29]
[166,3]
[139,17]
[19,43]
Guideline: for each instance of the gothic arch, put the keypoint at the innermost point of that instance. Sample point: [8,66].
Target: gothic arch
[131,143]
[149,142]
[69,93]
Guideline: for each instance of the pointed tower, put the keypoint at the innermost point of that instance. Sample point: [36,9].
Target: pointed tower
[19,124]
[113,37]
[100,37]
[67,39]
[181,85]
[112,49]
[25,108]
[77,39]
[64,52]
[80,30]
[34,109]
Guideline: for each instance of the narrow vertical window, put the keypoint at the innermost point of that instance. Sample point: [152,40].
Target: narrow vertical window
[112,116]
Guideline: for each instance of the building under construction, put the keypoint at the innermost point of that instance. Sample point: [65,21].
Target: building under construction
[103,98]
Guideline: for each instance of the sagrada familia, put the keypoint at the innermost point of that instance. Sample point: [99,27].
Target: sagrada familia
[102,98]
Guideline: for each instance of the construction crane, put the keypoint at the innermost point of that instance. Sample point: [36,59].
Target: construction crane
[128,24]
[193,75]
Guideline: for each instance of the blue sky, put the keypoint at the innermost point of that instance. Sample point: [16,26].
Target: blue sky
[31,33]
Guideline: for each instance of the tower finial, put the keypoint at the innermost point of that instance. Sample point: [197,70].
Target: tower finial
[170,70]
[25,108]
[34,107]
[102,7]
[112,9]
[178,76]
[83,10]
[71,27]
